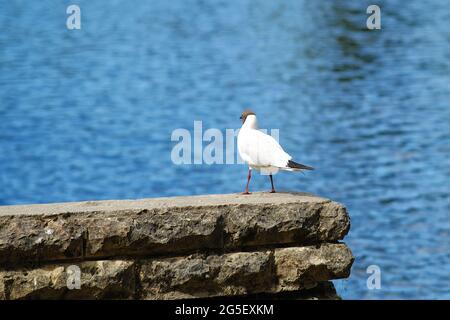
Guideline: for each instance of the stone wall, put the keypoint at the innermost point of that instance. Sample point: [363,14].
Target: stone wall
[283,245]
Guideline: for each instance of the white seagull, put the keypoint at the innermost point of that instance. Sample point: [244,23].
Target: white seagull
[261,151]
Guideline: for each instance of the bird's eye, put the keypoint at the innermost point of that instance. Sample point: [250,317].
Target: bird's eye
[240,117]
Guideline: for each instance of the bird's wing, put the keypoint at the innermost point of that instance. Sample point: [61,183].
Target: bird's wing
[258,148]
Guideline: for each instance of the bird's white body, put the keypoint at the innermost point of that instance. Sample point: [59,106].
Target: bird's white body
[259,150]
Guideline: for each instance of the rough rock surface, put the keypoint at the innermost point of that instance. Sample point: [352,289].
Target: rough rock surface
[323,291]
[106,229]
[242,273]
[284,244]
[99,280]
[193,276]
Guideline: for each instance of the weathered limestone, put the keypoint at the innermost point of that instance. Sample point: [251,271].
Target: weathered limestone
[162,226]
[99,279]
[193,276]
[174,248]
[242,273]
[323,291]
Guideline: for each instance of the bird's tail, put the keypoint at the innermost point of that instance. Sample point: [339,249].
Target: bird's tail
[298,166]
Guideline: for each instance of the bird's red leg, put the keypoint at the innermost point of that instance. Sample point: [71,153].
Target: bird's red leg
[271,181]
[248,181]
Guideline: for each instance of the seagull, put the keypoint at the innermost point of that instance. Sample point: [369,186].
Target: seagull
[261,151]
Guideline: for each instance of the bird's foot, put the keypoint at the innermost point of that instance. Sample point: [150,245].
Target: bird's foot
[272,191]
[246,192]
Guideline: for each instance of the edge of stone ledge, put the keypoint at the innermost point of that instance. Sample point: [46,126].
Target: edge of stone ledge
[158,203]
[41,234]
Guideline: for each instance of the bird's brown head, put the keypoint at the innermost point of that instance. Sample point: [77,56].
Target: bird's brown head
[245,114]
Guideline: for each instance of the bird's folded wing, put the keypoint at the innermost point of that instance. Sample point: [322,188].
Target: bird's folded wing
[261,149]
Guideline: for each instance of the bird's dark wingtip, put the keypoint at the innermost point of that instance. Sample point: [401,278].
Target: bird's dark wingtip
[295,165]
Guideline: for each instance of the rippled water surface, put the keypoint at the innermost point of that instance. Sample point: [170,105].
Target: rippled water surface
[88,114]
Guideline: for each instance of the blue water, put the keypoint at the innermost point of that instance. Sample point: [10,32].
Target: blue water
[88,114]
